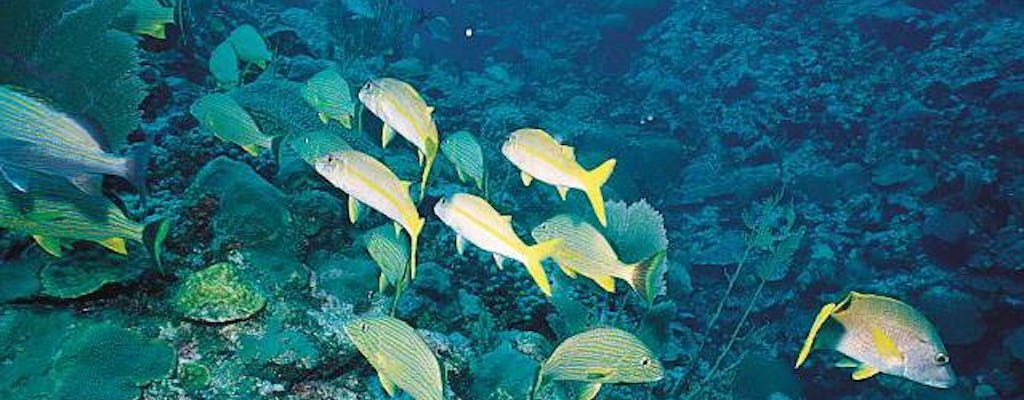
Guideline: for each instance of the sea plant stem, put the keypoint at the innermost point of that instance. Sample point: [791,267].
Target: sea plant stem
[721,304]
[736,330]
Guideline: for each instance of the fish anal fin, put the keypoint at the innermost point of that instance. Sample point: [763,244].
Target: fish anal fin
[499,260]
[846,362]
[50,245]
[252,149]
[589,392]
[864,371]
[354,209]
[460,244]
[605,282]
[886,346]
[323,117]
[116,244]
[389,387]
[562,192]
[600,374]
[386,134]
[823,314]
[527,179]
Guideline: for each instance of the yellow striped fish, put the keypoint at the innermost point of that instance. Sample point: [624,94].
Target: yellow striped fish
[221,115]
[390,252]
[540,156]
[36,138]
[881,335]
[463,150]
[368,181]
[329,95]
[54,221]
[144,17]
[586,251]
[404,111]
[473,219]
[249,46]
[223,65]
[399,355]
[601,356]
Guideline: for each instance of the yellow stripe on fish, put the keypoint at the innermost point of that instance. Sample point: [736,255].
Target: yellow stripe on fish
[475,220]
[404,111]
[601,356]
[225,118]
[370,182]
[540,156]
[399,355]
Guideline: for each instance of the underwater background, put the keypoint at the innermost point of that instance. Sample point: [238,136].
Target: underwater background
[770,157]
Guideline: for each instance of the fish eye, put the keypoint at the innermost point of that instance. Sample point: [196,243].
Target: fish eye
[645,361]
[362,327]
[942,359]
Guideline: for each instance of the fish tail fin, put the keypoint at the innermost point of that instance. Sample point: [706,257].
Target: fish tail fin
[534,255]
[414,236]
[153,236]
[137,163]
[428,164]
[823,314]
[593,181]
[645,272]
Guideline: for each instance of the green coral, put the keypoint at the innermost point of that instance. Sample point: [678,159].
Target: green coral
[194,376]
[75,59]
[87,272]
[105,362]
[28,344]
[503,374]
[218,294]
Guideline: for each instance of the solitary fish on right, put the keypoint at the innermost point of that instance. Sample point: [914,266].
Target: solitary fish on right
[600,356]
[881,334]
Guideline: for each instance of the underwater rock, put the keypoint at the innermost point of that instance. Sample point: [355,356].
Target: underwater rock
[194,376]
[761,377]
[957,314]
[28,345]
[946,237]
[105,362]
[218,294]
[725,250]
[1014,342]
[894,175]
[281,346]
[1009,97]
[86,272]
[744,184]
[828,184]
[314,211]
[20,279]
[503,374]
[348,278]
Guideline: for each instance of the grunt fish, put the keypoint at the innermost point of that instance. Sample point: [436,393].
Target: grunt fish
[145,17]
[464,151]
[329,95]
[222,116]
[399,355]
[224,65]
[601,356]
[249,45]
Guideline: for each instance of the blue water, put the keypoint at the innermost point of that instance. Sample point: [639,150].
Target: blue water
[781,154]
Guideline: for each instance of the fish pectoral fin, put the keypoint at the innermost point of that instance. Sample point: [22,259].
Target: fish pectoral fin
[50,245]
[346,121]
[589,391]
[252,149]
[848,363]
[389,387]
[499,260]
[115,244]
[527,179]
[354,209]
[605,282]
[600,374]
[398,228]
[382,283]
[323,117]
[864,371]
[386,134]
[462,176]
[567,270]
[823,314]
[886,346]
[420,157]
[460,244]
[562,192]
[568,151]
[88,183]
[16,178]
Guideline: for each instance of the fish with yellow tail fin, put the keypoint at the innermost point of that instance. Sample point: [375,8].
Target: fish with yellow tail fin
[249,46]
[329,95]
[540,156]
[464,151]
[223,66]
[399,355]
[36,139]
[586,251]
[145,17]
[403,111]
[881,335]
[225,118]
[57,217]
[473,219]
[600,356]
[370,182]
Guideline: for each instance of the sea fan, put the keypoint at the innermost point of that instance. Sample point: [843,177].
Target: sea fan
[637,232]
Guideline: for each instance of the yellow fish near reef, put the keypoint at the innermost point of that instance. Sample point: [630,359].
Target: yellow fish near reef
[52,220]
[37,138]
[474,219]
[538,155]
[225,118]
[881,334]
[601,356]
[586,251]
[329,94]
[368,181]
[399,355]
[403,110]
[464,151]
[391,253]
[145,17]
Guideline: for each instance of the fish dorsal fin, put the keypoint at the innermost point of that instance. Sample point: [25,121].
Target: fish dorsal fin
[460,244]
[115,244]
[527,179]
[823,314]
[354,209]
[605,282]
[386,134]
[600,374]
[50,245]
[864,371]
[589,392]
[506,218]
[430,110]
[499,260]
[885,346]
[562,192]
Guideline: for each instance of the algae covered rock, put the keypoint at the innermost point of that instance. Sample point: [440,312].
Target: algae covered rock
[86,273]
[20,279]
[28,344]
[218,294]
[106,362]
[503,374]
[348,279]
